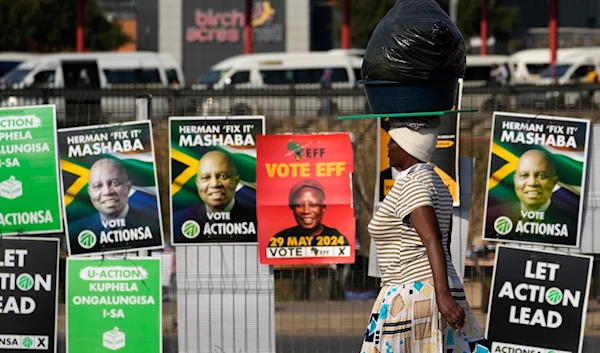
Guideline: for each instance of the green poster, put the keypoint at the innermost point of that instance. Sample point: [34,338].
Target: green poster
[29,181]
[114,305]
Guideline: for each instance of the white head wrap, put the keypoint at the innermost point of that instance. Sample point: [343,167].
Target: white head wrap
[419,144]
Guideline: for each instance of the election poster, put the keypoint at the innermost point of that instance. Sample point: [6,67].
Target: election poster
[28,294]
[304,199]
[538,301]
[113,304]
[213,179]
[110,188]
[445,156]
[536,179]
[29,178]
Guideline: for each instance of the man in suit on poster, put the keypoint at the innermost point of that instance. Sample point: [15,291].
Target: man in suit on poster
[534,181]
[307,202]
[109,187]
[216,181]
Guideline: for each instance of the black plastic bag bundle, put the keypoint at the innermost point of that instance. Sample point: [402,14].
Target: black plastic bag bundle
[414,41]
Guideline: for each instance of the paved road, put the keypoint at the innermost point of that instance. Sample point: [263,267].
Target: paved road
[321,344]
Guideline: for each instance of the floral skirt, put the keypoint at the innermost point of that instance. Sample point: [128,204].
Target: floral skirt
[405,318]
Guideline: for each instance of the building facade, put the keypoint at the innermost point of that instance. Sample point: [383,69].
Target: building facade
[200,33]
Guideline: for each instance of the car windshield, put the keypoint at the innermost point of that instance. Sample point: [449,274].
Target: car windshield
[559,70]
[210,77]
[15,76]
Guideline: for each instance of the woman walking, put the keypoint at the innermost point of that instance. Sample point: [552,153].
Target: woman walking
[422,305]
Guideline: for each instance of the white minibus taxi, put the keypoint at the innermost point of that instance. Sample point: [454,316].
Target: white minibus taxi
[102,70]
[269,70]
[526,65]
[282,71]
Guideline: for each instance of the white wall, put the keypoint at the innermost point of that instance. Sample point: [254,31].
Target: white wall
[297,25]
[170,33]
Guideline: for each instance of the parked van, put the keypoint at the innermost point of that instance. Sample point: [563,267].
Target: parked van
[106,70]
[96,70]
[572,69]
[526,65]
[10,60]
[270,70]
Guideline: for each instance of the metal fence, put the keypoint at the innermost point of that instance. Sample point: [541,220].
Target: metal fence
[322,309]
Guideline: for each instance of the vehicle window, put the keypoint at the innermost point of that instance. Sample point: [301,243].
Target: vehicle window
[44,78]
[559,70]
[300,76]
[172,76]
[210,77]
[15,76]
[339,75]
[7,66]
[132,76]
[240,77]
[535,69]
[276,77]
[581,71]
[308,76]
[149,76]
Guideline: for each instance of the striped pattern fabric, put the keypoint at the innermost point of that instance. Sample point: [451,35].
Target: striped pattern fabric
[400,251]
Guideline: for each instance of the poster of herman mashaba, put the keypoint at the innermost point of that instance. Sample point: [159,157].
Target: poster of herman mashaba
[213,179]
[110,188]
[536,180]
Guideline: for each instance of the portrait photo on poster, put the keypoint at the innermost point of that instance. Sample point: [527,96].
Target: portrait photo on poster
[213,179]
[304,195]
[110,188]
[536,179]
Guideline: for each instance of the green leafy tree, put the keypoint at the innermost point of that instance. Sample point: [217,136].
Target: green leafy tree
[503,20]
[50,26]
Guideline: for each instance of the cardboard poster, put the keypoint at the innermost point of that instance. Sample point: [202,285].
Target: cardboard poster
[213,179]
[304,197]
[538,301]
[28,294]
[445,156]
[110,188]
[28,170]
[536,176]
[114,304]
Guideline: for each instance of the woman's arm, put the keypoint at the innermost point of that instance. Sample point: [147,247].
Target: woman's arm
[426,225]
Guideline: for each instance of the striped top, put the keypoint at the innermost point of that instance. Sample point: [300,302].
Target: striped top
[400,251]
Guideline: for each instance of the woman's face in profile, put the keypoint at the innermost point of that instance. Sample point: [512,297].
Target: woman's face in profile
[308,207]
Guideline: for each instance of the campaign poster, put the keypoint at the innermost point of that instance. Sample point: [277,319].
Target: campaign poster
[113,304]
[28,294]
[110,188]
[304,199]
[536,177]
[213,179]
[445,157]
[29,179]
[538,301]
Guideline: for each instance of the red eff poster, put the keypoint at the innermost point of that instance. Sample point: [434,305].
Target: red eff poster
[304,199]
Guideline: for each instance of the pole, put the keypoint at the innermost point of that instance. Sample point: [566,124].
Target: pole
[553,28]
[453,10]
[248,28]
[484,28]
[346,36]
[80,26]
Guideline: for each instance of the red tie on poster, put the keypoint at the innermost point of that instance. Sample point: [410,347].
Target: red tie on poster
[304,199]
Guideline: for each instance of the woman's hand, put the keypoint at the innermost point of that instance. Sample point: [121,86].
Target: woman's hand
[450,310]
